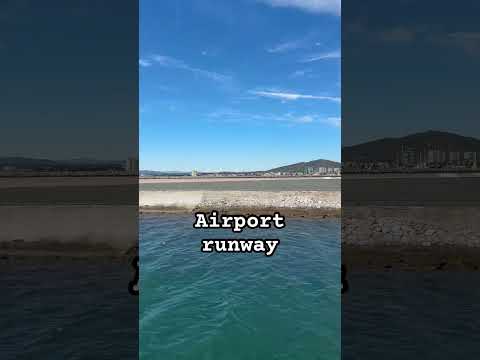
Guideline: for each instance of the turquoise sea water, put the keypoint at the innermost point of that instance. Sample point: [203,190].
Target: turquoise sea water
[217,306]
[59,309]
[411,315]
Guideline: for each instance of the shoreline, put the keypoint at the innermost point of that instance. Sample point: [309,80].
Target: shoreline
[247,200]
[380,258]
[214,179]
[48,253]
[312,213]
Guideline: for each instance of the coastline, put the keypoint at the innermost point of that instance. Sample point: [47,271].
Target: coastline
[322,213]
[379,237]
[313,204]
[214,179]
[410,258]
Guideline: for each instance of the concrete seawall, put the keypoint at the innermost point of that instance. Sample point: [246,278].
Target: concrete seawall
[77,230]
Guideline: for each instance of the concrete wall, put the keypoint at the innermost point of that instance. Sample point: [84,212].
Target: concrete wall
[82,226]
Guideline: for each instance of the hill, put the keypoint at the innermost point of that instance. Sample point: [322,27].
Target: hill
[387,149]
[300,167]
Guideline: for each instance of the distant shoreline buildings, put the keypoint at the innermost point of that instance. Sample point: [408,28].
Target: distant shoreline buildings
[424,152]
[307,171]
[409,159]
[132,166]
[31,167]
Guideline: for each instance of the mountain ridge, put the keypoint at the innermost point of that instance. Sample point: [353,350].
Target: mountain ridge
[291,168]
[300,166]
[386,149]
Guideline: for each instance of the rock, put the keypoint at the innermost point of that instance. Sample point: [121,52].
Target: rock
[430,232]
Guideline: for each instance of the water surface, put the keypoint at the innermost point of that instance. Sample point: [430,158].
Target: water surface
[67,309]
[215,306]
[411,315]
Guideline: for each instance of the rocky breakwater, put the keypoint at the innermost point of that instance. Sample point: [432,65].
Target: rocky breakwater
[429,237]
[291,202]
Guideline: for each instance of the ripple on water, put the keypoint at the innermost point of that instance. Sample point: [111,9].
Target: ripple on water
[239,306]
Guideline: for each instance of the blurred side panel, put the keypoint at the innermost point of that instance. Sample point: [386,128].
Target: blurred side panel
[68,179]
[410,157]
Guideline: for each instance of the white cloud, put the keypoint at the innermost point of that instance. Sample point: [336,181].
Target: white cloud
[287,46]
[312,6]
[228,115]
[306,119]
[322,56]
[170,62]
[144,63]
[293,96]
[333,121]
[301,73]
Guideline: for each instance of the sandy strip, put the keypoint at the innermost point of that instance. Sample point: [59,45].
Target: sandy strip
[55,181]
[202,179]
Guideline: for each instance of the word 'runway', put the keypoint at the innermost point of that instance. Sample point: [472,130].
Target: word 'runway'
[267,247]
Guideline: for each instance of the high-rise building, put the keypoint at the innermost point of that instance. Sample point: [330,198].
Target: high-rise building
[309,170]
[408,156]
[131,166]
[454,157]
[436,156]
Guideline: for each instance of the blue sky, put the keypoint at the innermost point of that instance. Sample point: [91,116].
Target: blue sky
[61,62]
[238,85]
[409,67]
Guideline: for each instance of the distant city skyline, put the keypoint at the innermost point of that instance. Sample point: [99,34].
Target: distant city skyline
[226,86]
[417,152]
